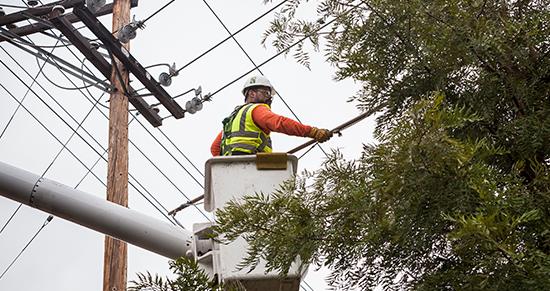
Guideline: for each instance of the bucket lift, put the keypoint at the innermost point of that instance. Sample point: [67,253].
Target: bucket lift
[230,178]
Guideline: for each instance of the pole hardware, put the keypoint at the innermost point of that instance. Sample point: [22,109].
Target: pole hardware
[128,31]
[95,5]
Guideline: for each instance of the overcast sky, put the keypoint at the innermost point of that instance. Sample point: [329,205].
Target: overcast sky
[65,256]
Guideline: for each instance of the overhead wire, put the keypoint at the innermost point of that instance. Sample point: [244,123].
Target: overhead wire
[283,50]
[11,217]
[53,161]
[162,173]
[50,217]
[156,12]
[42,46]
[275,56]
[170,153]
[68,125]
[46,128]
[280,52]
[175,146]
[178,149]
[38,120]
[231,36]
[51,58]
[10,121]
[58,140]
[131,176]
[71,136]
[52,35]
[308,150]
[24,96]
[48,220]
[70,88]
[200,184]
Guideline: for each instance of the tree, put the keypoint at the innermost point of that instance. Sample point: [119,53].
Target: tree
[189,278]
[456,194]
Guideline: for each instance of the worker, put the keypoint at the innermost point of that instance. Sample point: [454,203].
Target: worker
[246,130]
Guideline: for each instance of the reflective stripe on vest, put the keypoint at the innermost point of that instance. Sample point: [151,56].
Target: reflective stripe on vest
[244,135]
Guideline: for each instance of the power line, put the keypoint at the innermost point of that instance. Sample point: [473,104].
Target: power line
[155,13]
[131,176]
[24,248]
[231,36]
[49,131]
[85,86]
[71,137]
[67,124]
[308,286]
[308,150]
[177,148]
[256,66]
[19,106]
[11,217]
[169,153]
[45,127]
[64,146]
[185,169]
[177,188]
[68,67]
[25,96]
[96,162]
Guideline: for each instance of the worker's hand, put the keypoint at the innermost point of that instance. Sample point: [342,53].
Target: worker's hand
[320,134]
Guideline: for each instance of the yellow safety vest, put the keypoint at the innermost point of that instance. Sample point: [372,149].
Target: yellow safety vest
[241,134]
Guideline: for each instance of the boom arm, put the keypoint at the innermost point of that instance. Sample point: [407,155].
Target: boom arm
[95,213]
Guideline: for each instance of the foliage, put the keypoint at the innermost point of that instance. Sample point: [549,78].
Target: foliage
[456,195]
[189,277]
[421,209]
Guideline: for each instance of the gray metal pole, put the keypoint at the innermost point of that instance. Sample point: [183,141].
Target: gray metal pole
[95,213]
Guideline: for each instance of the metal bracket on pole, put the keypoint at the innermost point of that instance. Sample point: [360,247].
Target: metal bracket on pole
[133,66]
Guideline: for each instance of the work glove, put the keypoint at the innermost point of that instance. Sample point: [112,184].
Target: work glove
[320,134]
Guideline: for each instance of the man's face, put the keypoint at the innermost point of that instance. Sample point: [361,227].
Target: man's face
[260,95]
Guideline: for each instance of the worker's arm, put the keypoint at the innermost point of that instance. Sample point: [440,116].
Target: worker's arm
[216,145]
[268,121]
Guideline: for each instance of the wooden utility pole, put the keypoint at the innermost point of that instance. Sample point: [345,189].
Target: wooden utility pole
[115,260]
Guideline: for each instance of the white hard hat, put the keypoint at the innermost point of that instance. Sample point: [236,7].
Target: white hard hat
[258,81]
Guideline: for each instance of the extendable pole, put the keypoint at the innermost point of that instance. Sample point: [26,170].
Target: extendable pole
[337,129]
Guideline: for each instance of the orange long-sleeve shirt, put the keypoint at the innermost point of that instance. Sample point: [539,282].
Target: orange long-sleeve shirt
[268,121]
